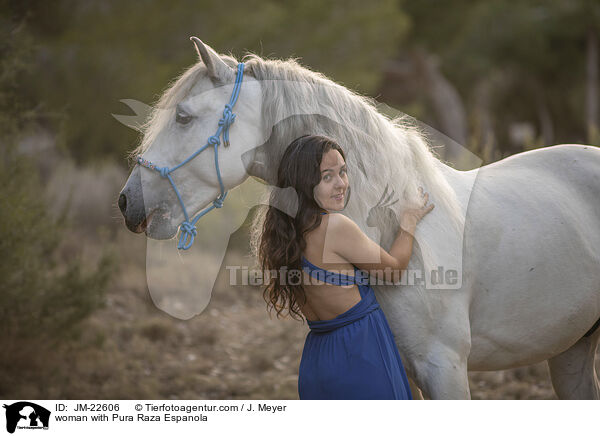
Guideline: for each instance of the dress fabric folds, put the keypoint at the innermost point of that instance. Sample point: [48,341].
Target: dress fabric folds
[353,356]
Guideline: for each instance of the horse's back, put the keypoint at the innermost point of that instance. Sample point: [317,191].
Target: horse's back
[569,158]
[538,185]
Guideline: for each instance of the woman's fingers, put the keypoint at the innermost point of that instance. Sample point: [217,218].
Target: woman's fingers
[419,213]
[428,209]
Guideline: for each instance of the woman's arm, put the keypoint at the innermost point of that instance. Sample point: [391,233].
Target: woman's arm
[352,244]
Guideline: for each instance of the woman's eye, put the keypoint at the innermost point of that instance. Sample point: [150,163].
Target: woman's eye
[326,178]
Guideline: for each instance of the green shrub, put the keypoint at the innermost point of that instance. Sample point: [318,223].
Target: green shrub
[43,298]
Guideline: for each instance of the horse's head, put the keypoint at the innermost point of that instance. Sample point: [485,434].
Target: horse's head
[194,113]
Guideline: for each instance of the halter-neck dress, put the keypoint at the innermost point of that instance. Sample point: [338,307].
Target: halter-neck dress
[353,356]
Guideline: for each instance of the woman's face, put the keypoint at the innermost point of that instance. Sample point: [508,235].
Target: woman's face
[330,193]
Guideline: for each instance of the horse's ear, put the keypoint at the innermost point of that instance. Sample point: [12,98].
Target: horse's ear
[218,71]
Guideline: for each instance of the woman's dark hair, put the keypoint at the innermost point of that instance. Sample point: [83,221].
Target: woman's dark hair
[281,241]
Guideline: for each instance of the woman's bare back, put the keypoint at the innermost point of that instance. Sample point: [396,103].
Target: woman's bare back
[323,300]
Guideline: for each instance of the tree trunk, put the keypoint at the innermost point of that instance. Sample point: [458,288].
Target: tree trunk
[592,86]
[484,134]
[416,74]
[445,99]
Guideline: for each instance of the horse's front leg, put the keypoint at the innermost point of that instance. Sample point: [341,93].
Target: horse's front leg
[441,373]
[434,340]
[437,361]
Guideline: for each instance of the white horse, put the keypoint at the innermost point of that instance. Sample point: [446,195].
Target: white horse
[523,233]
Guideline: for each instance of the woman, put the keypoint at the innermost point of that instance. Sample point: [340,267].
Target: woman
[323,260]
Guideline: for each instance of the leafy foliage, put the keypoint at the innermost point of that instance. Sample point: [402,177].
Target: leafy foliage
[43,298]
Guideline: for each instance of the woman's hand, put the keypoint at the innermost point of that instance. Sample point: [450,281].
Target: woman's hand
[410,217]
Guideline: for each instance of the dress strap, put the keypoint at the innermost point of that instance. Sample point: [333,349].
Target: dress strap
[327,276]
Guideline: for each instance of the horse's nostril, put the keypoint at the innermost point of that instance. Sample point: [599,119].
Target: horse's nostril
[122,203]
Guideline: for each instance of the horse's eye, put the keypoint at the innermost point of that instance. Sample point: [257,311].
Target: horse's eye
[183,117]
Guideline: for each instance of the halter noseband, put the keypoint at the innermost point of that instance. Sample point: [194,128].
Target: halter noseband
[187,227]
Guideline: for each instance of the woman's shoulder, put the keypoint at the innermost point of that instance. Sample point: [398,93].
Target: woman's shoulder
[322,241]
[333,225]
[338,221]
[333,221]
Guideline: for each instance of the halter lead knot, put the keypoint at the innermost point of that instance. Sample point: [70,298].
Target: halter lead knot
[228,117]
[163,171]
[188,232]
[188,227]
[226,121]
[218,202]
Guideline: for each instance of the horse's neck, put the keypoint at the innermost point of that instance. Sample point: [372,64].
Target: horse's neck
[442,239]
[439,243]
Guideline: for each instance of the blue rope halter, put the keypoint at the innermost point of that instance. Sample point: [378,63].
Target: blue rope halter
[187,227]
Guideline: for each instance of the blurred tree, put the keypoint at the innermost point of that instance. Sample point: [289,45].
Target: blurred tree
[526,60]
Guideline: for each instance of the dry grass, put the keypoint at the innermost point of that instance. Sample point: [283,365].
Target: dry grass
[524,383]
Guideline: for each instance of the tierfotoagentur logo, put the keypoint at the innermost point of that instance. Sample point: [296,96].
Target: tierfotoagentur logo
[26,415]
[242,275]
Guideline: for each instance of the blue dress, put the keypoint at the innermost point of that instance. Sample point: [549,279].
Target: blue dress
[353,356]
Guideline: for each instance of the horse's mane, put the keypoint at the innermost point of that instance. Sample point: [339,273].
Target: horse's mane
[380,151]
